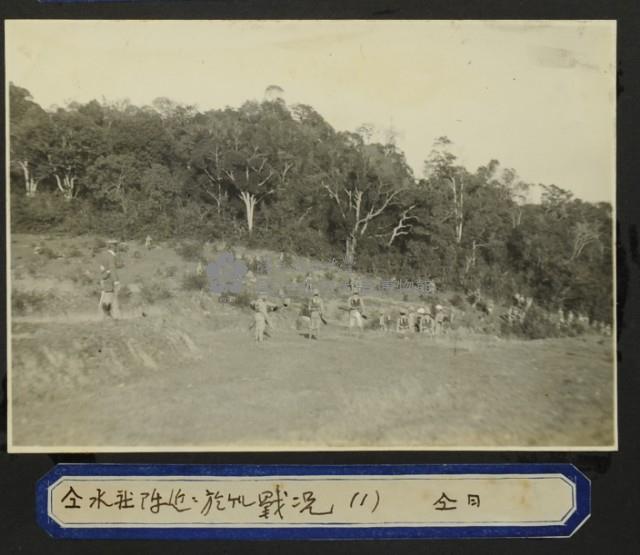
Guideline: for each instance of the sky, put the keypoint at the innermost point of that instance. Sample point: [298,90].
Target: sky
[537,96]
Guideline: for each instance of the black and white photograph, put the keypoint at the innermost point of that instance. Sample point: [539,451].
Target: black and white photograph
[263,235]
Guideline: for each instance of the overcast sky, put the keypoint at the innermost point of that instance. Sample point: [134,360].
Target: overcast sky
[539,97]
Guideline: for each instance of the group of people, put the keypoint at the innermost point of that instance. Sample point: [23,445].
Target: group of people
[411,320]
[420,320]
[568,319]
[517,312]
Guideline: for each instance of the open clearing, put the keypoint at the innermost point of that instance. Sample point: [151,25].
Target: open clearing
[188,376]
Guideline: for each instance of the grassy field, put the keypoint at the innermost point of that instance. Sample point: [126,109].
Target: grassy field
[180,370]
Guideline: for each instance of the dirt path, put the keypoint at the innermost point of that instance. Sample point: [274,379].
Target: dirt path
[150,383]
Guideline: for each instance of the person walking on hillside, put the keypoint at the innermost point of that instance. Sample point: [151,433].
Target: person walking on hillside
[356,311]
[383,321]
[316,313]
[308,282]
[413,318]
[438,328]
[260,318]
[109,284]
[200,269]
[108,290]
[402,323]
[422,321]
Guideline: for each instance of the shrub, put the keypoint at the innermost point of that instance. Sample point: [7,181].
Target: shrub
[37,214]
[194,282]
[191,251]
[99,244]
[536,325]
[74,253]
[257,266]
[81,278]
[170,271]
[28,301]
[457,301]
[243,299]
[124,293]
[330,275]
[287,260]
[32,270]
[155,291]
[577,328]
[47,252]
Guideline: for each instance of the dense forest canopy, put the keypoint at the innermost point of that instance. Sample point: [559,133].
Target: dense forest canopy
[281,177]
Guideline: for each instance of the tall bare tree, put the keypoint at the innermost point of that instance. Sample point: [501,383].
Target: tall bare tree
[584,234]
[371,181]
[441,167]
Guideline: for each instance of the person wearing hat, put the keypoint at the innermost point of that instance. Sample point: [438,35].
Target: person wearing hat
[260,318]
[413,317]
[356,309]
[421,320]
[316,313]
[108,285]
[383,322]
[438,319]
[308,281]
[402,323]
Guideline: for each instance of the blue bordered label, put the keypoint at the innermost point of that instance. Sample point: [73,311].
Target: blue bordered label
[102,501]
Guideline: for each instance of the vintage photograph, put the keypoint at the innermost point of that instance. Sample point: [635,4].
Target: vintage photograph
[310,235]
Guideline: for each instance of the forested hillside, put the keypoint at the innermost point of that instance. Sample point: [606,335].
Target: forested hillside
[280,177]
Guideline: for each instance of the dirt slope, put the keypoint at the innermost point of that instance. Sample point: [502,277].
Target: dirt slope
[183,372]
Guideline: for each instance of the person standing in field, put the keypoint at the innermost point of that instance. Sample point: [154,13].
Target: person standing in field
[200,270]
[421,322]
[402,323]
[383,321]
[316,313]
[439,320]
[356,310]
[108,286]
[308,282]
[412,316]
[260,318]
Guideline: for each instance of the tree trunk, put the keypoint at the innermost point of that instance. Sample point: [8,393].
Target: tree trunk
[249,205]
[516,217]
[30,184]
[458,207]
[350,251]
[66,184]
